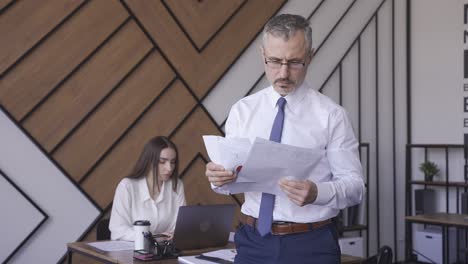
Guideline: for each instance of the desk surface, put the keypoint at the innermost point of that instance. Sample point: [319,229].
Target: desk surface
[440,219]
[126,256]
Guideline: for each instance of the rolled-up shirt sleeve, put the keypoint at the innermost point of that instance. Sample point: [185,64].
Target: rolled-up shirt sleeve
[346,187]
[120,224]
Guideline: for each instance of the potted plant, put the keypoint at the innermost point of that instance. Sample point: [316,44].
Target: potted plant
[430,169]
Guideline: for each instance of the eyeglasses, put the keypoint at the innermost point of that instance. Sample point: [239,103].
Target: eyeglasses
[276,64]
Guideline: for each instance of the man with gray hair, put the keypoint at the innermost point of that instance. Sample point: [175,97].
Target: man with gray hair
[296,229]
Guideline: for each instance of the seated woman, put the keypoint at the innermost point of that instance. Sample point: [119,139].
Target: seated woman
[152,191]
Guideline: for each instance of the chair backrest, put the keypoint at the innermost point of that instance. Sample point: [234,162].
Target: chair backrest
[385,255]
[102,230]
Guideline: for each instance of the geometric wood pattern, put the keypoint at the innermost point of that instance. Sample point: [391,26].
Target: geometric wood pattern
[201,19]
[57,56]
[22,33]
[201,70]
[97,134]
[161,119]
[4,4]
[201,191]
[63,110]
[92,81]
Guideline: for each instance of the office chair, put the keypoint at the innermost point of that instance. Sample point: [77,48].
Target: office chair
[384,256]
[102,230]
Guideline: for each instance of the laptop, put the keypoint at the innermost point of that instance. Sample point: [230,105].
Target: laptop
[203,226]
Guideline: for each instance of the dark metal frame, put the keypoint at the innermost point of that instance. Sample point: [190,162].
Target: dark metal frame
[447,183]
[367,229]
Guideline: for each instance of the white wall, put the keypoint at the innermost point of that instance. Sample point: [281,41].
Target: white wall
[437,91]
[437,71]
[62,214]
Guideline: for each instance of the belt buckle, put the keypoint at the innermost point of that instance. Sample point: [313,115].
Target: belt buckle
[283,224]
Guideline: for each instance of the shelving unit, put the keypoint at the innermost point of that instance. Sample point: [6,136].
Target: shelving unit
[446,219]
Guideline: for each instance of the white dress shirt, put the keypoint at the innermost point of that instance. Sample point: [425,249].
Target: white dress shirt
[312,120]
[132,202]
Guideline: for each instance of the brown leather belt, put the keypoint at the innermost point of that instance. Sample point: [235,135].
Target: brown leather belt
[284,228]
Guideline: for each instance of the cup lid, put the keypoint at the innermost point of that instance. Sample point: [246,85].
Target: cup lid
[142,223]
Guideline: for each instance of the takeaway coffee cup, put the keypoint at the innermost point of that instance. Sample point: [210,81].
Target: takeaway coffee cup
[141,226]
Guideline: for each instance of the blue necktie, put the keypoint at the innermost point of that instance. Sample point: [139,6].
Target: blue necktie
[265,217]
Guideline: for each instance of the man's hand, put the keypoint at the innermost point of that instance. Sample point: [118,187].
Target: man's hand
[217,175]
[299,192]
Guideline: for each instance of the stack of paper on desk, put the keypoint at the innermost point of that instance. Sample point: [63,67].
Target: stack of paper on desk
[116,245]
[263,162]
[218,256]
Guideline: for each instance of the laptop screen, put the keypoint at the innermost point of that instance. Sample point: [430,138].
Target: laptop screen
[203,226]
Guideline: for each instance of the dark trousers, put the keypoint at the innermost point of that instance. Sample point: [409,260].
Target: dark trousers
[317,246]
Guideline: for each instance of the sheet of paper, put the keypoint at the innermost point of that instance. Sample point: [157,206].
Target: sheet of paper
[193,260]
[264,162]
[268,187]
[113,245]
[229,152]
[270,161]
[225,254]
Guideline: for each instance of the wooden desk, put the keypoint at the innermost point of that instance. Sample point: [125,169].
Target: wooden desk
[444,220]
[439,219]
[126,256]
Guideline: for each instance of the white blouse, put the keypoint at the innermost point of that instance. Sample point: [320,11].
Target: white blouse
[132,202]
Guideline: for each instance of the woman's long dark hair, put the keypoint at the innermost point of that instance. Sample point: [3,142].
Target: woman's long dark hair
[149,159]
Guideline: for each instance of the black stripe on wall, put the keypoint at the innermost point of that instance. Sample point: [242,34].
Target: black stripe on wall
[465,64]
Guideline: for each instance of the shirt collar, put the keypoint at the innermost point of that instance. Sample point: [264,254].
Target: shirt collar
[162,192]
[143,192]
[292,99]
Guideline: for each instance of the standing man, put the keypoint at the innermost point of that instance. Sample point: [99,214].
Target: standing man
[297,229]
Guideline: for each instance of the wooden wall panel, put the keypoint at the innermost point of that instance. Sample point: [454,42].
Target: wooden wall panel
[35,76]
[201,70]
[4,4]
[201,19]
[161,119]
[188,137]
[93,80]
[26,23]
[98,133]
[69,105]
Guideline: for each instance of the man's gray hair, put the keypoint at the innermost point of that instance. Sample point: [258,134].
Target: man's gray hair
[286,25]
